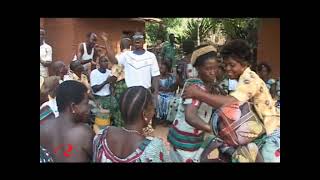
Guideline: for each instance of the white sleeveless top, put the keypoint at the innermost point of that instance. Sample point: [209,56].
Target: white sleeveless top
[85,55]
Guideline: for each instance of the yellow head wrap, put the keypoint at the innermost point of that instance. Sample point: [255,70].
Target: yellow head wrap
[201,51]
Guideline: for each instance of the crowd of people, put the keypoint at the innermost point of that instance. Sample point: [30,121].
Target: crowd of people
[103,106]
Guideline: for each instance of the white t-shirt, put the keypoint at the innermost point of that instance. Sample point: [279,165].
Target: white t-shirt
[139,69]
[97,78]
[45,55]
[53,105]
[232,84]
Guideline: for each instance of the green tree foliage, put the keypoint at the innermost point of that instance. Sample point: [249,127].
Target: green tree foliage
[205,25]
[240,28]
[187,28]
[156,31]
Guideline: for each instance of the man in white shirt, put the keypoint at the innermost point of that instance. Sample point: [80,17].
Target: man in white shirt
[45,55]
[140,66]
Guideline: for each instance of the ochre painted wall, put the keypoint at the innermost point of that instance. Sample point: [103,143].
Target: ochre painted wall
[269,44]
[65,34]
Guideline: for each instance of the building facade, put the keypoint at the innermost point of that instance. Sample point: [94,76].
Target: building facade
[269,44]
[65,34]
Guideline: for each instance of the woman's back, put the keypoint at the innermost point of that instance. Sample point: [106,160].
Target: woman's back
[114,145]
[120,143]
[62,141]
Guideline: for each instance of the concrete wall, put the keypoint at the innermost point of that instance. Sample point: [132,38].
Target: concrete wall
[269,44]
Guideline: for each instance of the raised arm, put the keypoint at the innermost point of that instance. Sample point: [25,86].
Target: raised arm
[109,51]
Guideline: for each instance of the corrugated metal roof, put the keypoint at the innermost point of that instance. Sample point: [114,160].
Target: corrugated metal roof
[152,20]
[157,20]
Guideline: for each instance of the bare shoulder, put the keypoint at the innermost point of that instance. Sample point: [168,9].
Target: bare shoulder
[80,132]
[47,124]
[47,127]
[81,137]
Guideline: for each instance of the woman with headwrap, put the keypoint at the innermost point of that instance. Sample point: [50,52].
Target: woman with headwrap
[187,134]
[251,88]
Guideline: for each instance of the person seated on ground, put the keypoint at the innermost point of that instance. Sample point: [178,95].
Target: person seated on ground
[237,57]
[184,66]
[129,144]
[167,88]
[47,90]
[192,119]
[264,71]
[69,138]
[59,69]
[76,71]
[48,109]
[77,74]
[100,81]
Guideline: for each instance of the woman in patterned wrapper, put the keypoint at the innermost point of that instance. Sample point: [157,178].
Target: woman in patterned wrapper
[129,143]
[167,88]
[236,56]
[187,134]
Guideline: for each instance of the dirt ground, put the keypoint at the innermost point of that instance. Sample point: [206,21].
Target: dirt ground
[161,131]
